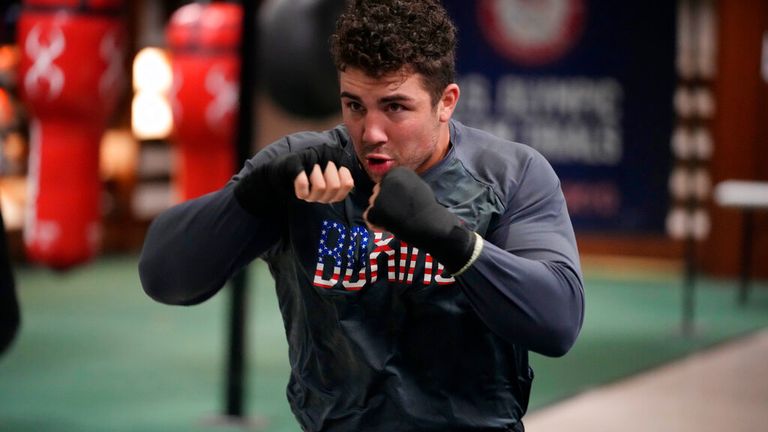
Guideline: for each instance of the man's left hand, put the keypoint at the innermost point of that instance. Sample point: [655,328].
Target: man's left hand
[403,204]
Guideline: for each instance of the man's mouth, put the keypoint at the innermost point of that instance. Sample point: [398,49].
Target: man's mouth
[379,164]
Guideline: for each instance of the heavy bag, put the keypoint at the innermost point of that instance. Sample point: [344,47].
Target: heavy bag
[70,78]
[204,42]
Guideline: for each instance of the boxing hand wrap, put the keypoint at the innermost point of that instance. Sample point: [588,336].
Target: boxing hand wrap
[407,208]
[262,191]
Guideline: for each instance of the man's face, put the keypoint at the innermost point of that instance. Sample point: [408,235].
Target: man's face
[392,121]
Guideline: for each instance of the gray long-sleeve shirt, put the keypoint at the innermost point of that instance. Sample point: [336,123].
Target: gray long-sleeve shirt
[380,337]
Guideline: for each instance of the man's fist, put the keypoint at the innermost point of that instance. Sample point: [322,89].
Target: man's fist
[316,174]
[325,186]
[404,205]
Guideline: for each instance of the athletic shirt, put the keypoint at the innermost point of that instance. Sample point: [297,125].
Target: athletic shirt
[380,336]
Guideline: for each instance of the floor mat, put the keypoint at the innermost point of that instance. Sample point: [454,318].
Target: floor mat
[94,353]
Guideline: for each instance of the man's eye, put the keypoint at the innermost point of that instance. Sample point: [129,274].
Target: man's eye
[354,106]
[395,107]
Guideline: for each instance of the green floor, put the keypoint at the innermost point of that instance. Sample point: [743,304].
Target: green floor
[96,354]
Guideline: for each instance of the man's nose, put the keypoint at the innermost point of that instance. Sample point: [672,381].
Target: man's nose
[374,130]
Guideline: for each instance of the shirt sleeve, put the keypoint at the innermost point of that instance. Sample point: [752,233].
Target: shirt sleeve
[526,284]
[193,248]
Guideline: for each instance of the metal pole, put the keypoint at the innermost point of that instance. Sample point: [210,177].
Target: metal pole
[689,287]
[236,379]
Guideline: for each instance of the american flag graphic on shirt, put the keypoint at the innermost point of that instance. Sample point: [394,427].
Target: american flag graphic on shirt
[347,257]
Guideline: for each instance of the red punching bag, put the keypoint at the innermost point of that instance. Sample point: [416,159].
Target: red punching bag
[204,43]
[70,77]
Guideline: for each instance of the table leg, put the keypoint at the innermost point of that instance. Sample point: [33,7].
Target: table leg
[746,255]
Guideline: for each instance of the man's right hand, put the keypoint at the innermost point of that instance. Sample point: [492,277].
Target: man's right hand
[315,174]
[324,186]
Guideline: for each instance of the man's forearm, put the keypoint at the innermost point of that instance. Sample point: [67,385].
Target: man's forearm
[536,304]
[192,249]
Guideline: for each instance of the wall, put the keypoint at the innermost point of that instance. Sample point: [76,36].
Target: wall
[740,131]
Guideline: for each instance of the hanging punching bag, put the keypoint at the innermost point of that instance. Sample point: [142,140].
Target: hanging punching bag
[70,77]
[295,62]
[204,40]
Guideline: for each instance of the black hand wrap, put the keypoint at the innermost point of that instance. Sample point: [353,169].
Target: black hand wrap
[264,189]
[407,208]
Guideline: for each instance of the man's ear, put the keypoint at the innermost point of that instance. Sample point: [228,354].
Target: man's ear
[448,101]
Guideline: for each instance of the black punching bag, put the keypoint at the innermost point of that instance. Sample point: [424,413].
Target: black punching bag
[9,307]
[296,67]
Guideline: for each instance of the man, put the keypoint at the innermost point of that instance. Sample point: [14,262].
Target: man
[416,260]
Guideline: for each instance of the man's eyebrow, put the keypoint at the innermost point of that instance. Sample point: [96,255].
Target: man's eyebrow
[386,99]
[396,98]
[350,95]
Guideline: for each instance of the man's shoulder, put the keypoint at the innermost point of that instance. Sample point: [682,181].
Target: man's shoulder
[477,143]
[494,160]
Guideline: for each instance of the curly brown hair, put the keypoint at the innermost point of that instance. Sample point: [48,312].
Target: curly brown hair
[385,36]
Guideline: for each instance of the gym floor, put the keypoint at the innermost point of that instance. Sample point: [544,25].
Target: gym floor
[724,388]
[95,353]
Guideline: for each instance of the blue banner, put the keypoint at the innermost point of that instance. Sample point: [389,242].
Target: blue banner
[587,83]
